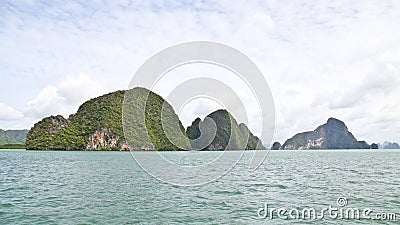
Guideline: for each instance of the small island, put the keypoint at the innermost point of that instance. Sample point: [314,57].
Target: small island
[334,134]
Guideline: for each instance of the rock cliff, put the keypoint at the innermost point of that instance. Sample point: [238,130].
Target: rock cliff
[332,135]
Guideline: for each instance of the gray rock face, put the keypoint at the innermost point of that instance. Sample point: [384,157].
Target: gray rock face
[332,135]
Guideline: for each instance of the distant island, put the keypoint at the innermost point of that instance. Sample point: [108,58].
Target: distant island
[97,125]
[389,145]
[12,138]
[334,134]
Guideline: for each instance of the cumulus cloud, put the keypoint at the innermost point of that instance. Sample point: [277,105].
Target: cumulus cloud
[47,102]
[9,113]
[82,87]
[64,98]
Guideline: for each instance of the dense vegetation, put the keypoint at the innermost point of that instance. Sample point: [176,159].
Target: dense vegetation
[152,122]
[253,141]
[229,135]
[93,115]
[97,125]
[43,133]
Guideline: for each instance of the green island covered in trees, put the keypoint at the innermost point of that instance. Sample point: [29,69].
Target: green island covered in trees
[135,119]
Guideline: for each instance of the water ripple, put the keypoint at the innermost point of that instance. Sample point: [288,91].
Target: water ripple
[109,188]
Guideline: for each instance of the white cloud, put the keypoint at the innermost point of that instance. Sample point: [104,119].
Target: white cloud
[76,89]
[9,113]
[47,102]
[64,98]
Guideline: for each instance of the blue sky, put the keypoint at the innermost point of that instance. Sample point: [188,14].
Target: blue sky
[321,59]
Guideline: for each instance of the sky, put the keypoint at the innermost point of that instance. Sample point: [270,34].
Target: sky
[321,59]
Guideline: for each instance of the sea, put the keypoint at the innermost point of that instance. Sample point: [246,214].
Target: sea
[100,187]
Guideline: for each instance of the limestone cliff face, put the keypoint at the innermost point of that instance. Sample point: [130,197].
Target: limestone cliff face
[102,139]
[332,135]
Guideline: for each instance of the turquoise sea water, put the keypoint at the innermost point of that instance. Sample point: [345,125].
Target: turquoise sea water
[51,187]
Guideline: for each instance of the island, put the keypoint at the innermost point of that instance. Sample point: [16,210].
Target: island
[228,133]
[12,139]
[334,134]
[98,125]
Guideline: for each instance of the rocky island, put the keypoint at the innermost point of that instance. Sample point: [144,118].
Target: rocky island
[334,134]
[228,134]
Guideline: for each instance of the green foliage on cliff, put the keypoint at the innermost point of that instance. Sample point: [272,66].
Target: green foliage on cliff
[152,122]
[229,135]
[253,142]
[42,135]
[104,115]
[101,112]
